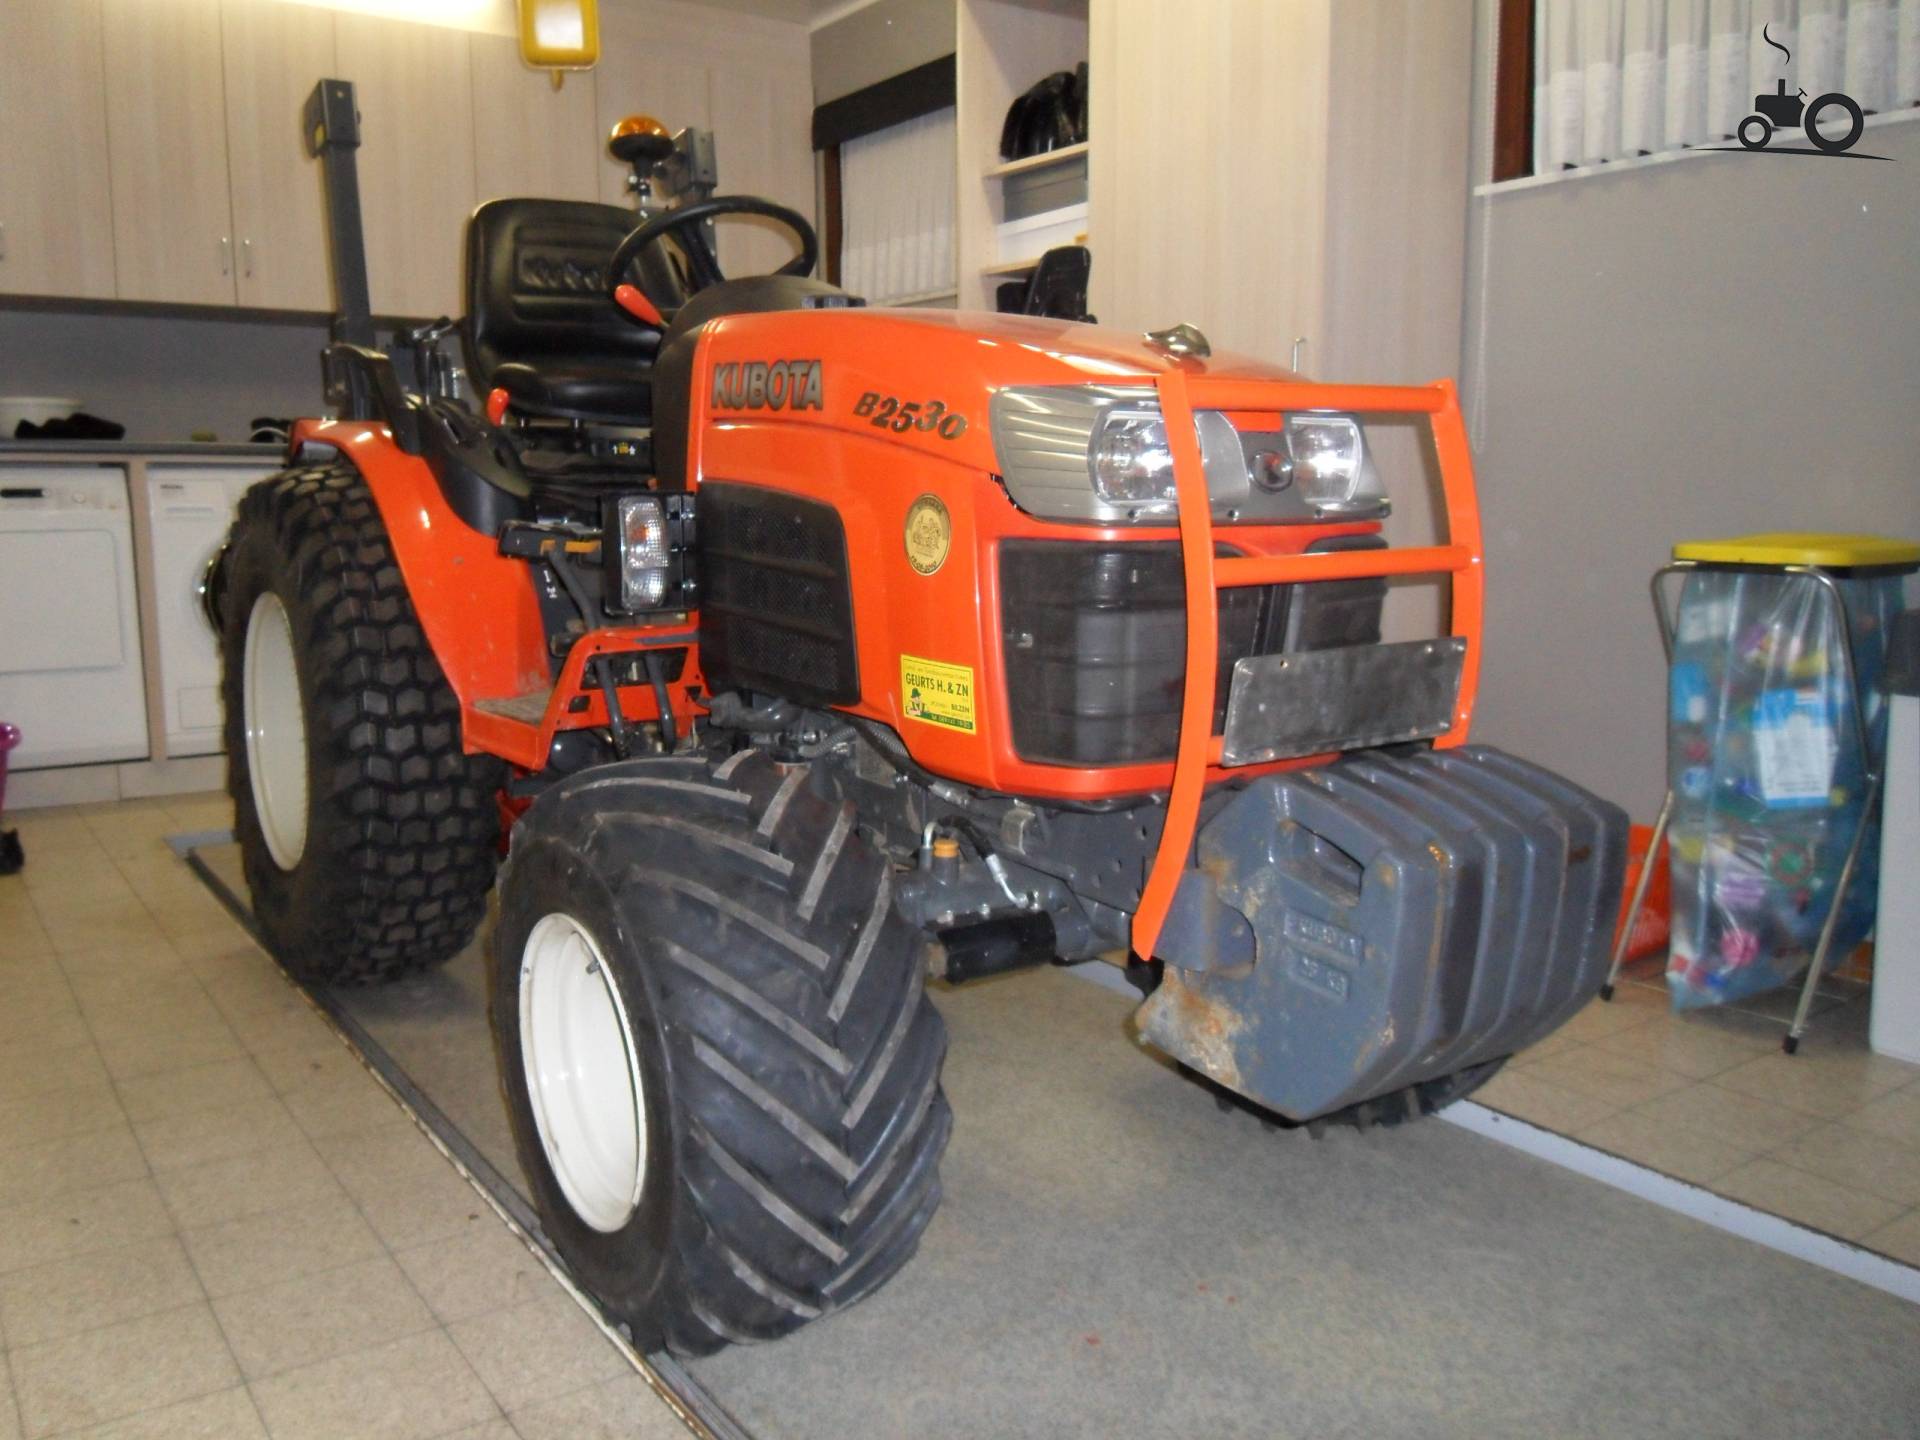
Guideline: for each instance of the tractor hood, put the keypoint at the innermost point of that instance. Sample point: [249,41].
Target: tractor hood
[1057,352]
[924,378]
[994,349]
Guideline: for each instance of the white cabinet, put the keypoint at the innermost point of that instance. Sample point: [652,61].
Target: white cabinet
[56,213]
[272,57]
[167,143]
[71,675]
[215,200]
[151,150]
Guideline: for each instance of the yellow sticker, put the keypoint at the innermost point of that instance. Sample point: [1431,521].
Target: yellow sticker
[937,693]
[929,533]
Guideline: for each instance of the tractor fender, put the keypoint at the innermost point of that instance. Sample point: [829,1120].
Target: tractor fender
[477,607]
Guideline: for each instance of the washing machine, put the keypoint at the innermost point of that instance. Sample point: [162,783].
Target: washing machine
[70,670]
[190,508]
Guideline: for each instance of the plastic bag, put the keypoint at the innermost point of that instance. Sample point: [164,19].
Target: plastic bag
[1768,778]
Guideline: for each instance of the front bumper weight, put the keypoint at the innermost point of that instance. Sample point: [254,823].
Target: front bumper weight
[1363,926]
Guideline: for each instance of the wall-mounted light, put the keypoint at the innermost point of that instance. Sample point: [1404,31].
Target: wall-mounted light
[559,35]
[555,35]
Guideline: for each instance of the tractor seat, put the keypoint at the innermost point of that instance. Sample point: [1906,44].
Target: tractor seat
[540,322]
[609,393]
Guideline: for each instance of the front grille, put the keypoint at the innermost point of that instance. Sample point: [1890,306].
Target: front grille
[1094,638]
[776,612]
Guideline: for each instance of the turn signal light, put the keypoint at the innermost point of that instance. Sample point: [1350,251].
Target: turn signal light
[646,539]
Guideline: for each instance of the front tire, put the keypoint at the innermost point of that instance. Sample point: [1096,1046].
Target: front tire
[710,957]
[1416,1102]
[368,838]
[1396,1107]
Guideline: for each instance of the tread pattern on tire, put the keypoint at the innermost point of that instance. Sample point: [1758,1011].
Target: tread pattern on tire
[405,825]
[804,1052]
[1412,1102]
[1396,1107]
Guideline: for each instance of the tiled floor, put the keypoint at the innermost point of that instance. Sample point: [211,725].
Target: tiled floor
[213,1221]
[1829,1137]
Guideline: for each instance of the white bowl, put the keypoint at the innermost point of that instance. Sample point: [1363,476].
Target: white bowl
[35,409]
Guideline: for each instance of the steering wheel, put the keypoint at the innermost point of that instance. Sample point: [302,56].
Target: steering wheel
[685,223]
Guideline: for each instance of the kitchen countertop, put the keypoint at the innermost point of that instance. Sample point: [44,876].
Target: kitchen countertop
[136,449]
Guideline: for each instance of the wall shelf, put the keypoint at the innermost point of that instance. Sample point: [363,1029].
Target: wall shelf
[1001,48]
[1041,161]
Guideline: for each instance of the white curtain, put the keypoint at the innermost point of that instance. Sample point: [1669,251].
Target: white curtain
[897,190]
[1616,78]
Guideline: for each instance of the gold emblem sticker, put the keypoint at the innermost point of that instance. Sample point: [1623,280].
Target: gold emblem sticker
[937,693]
[929,534]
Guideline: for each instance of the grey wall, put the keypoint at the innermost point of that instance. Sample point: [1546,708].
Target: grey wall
[1722,344]
[164,377]
[878,42]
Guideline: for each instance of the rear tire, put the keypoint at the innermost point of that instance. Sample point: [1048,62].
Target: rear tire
[736,981]
[368,838]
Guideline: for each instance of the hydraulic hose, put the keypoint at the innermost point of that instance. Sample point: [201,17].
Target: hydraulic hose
[657,673]
[616,722]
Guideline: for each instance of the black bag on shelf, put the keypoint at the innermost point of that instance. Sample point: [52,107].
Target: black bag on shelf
[1049,116]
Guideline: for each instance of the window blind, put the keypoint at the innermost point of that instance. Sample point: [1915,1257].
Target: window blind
[897,197]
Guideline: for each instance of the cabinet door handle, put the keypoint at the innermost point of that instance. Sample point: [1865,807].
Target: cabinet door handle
[226,255]
[246,257]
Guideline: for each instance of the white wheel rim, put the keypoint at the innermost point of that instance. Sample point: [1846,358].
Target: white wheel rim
[583,1077]
[276,731]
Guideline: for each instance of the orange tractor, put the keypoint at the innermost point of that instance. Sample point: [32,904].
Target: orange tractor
[801,650]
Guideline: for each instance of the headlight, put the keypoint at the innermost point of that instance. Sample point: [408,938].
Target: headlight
[1099,454]
[1327,459]
[1096,453]
[1131,461]
[644,542]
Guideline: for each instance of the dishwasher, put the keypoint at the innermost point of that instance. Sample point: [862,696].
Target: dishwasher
[70,668]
